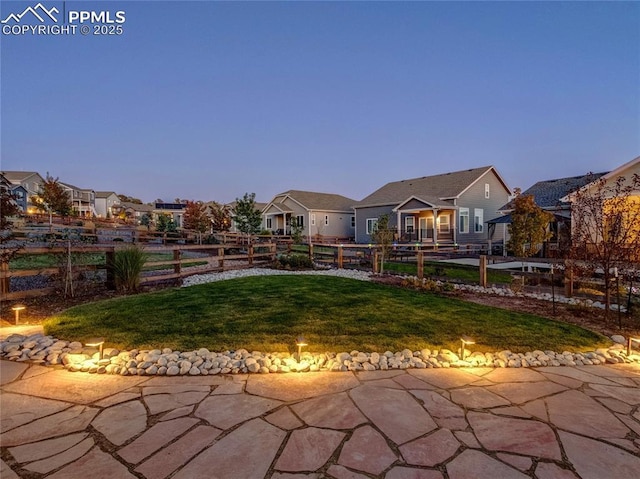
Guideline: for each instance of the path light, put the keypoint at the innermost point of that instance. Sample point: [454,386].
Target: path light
[17,308]
[300,342]
[465,340]
[96,342]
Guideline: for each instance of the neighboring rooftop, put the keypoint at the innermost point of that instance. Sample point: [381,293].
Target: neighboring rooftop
[547,194]
[320,201]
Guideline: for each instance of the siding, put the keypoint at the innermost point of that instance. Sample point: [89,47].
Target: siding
[371,212]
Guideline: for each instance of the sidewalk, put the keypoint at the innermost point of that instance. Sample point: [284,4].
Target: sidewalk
[546,423]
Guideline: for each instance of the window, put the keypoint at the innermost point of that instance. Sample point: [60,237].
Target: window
[443,221]
[326,220]
[371,225]
[353,221]
[409,224]
[464,220]
[300,221]
[313,219]
[269,222]
[478,220]
[487,190]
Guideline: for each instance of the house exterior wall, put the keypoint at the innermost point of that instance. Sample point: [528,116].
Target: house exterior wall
[362,214]
[339,224]
[474,198]
[103,205]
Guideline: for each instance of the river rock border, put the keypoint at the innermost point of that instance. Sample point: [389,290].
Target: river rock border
[73,356]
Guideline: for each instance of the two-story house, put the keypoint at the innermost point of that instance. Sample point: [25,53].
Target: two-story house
[83,200]
[31,183]
[105,203]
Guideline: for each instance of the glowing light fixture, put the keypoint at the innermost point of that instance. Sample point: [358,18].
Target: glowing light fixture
[300,342]
[17,308]
[96,342]
[465,340]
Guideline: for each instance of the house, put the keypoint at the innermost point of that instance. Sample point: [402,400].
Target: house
[446,208]
[550,196]
[105,203]
[134,211]
[31,183]
[83,200]
[319,214]
[617,215]
[17,192]
[174,210]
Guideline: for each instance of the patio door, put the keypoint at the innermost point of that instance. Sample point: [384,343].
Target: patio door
[425,228]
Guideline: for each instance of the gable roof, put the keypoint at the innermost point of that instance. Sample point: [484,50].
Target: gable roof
[19,176]
[435,189]
[634,169]
[105,194]
[550,193]
[314,201]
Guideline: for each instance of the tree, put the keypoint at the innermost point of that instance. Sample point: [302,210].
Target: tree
[220,216]
[296,231]
[382,235]
[247,217]
[53,198]
[196,218]
[605,229]
[130,199]
[8,246]
[146,220]
[529,228]
[165,223]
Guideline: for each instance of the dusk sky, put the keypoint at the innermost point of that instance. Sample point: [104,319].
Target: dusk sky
[209,100]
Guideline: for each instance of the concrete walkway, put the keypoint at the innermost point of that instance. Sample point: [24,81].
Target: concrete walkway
[548,423]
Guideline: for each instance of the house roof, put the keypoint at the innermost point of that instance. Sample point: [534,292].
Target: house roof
[105,194]
[19,176]
[549,193]
[314,201]
[434,189]
[136,206]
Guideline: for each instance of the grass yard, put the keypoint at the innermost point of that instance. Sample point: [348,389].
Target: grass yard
[335,314]
[450,271]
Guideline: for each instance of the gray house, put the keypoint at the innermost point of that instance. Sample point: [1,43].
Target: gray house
[105,202]
[319,214]
[449,208]
[30,181]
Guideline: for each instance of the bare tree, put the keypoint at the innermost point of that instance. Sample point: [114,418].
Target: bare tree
[605,230]
[382,235]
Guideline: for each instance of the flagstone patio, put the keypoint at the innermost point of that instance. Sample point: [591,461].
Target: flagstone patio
[546,423]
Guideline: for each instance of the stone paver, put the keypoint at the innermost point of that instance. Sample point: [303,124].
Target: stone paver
[167,460]
[367,451]
[246,452]
[335,411]
[396,413]
[547,423]
[122,422]
[308,449]
[431,450]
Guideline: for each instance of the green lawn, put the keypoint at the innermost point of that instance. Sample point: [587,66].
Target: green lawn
[449,271]
[334,314]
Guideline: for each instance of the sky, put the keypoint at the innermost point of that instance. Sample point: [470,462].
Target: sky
[206,100]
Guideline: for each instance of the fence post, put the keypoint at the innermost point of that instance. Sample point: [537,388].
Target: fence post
[110,257]
[311,251]
[221,258]
[250,252]
[273,247]
[5,281]
[376,256]
[568,281]
[340,257]
[420,264]
[483,270]
[177,267]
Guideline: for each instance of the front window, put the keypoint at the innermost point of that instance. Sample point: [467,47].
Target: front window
[409,224]
[326,220]
[487,190]
[478,220]
[353,221]
[300,221]
[464,220]
[269,222]
[443,223]
[371,225]
[313,219]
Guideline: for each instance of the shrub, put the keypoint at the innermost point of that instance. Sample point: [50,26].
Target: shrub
[294,261]
[127,268]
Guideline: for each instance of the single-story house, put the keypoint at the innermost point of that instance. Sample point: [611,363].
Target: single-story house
[319,214]
[448,208]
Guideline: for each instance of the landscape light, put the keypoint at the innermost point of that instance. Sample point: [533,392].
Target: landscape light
[637,340]
[300,342]
[465,340]
[17,308]
[96,342]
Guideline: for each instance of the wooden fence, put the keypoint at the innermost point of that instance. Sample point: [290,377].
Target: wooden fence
[216,258]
